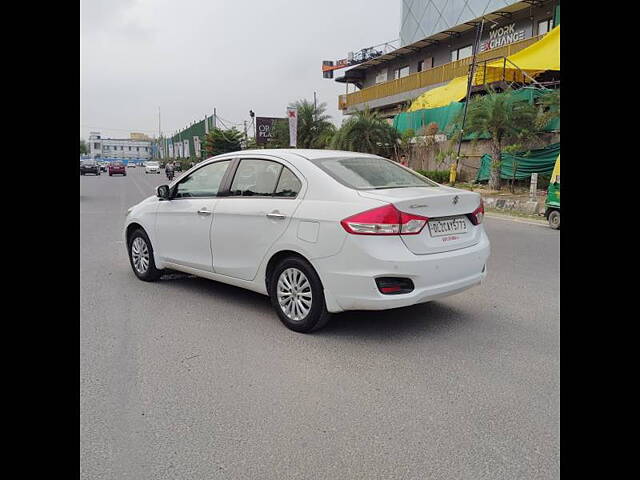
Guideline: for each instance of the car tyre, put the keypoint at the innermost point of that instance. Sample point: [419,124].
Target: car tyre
[554,219]
[141,256]
[294,276]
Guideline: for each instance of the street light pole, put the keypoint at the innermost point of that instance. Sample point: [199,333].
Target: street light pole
[453,173]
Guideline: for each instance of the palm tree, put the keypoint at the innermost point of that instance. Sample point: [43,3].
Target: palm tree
[366,132]
[505,120]
[549,104]
[314,127]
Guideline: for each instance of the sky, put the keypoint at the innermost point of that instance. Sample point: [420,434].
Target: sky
[188,56]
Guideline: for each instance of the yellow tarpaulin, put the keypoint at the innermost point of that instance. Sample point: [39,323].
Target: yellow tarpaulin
[538,57]
[442,96]
[556,171]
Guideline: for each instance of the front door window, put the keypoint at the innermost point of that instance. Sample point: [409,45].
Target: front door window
[204,182]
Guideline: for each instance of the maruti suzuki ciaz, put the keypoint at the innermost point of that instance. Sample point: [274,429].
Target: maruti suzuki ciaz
[318,231]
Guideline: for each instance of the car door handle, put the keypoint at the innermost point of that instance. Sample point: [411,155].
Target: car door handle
[276,216]
[204,211]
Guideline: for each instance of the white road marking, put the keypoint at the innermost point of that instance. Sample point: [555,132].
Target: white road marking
[517,220]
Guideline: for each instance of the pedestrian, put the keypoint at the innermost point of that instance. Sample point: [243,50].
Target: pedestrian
[403,160]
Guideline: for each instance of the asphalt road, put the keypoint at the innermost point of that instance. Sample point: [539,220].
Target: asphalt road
[187,378]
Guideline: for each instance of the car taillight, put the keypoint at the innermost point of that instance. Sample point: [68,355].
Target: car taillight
[387,220]
[477,215]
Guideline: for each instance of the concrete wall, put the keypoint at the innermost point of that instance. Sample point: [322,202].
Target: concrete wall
[425,158]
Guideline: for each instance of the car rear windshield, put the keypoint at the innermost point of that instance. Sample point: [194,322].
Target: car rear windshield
[371,173]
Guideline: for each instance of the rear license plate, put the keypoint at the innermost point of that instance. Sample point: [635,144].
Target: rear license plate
[447,226]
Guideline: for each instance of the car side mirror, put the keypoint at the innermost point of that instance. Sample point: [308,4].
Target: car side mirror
[162,192]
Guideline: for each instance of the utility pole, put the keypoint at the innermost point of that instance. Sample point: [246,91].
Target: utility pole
[159,133]
[454,167]
[315,106]
[246,139]
[215,120]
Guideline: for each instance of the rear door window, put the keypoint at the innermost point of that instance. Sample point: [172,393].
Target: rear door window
[288,185]
[255,178]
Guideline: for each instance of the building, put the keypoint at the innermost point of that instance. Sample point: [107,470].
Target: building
[423,18]
[139,136]
[188,142]
[119,148]
[390,82]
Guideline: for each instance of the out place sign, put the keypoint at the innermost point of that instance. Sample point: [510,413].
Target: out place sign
[501,36]
[264,129]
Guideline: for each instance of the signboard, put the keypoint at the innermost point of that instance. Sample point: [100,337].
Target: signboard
[170,148]
[186,148]
[292,114]
[501,36]
[264,128]
[196,145]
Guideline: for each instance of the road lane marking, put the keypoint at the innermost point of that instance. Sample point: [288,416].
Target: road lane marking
[145,194]
[517,220]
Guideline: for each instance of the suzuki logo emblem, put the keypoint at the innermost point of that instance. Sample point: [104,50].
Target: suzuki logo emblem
[455,199]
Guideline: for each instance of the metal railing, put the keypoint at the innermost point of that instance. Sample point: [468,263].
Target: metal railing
[432,76]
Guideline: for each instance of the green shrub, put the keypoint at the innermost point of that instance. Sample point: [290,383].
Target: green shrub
[438,176]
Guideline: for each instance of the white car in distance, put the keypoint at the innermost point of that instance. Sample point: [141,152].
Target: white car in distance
[318,231]
[152,167]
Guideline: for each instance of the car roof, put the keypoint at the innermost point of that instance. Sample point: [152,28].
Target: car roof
[303,153]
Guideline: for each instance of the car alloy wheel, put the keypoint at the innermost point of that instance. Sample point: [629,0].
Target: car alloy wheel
[140,255]
[294,294]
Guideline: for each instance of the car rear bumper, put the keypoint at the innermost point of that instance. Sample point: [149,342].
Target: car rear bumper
[349,277]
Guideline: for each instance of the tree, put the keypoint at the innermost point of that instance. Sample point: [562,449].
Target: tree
[549,104]
[279,134]
[366,132]
[219,141]
[314,128]
[505,120]
[83,147]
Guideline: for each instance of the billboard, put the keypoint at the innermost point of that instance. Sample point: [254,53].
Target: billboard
[264,128]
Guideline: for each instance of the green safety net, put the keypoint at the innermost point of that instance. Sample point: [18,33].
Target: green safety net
[445,117]
[541,160]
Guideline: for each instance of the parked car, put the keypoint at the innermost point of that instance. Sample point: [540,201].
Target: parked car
[117,168]
[131,165]
[89,166]
[103,166]
[318,231]
[152,167]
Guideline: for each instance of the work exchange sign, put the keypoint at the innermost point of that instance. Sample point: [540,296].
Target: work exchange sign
[501,36]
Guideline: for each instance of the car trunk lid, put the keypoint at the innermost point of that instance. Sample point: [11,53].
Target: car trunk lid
[447,208]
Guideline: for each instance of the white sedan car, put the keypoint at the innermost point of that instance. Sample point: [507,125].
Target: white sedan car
[318,231]
[152,167]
